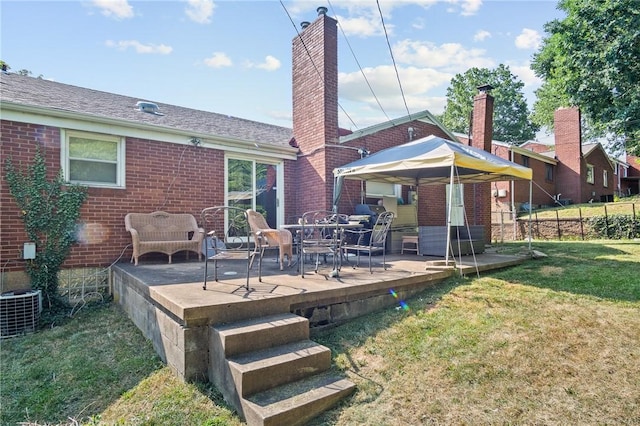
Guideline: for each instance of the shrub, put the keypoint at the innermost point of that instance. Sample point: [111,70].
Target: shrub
[615,227]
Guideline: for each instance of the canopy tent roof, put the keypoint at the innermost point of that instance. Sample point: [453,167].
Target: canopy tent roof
[429,161]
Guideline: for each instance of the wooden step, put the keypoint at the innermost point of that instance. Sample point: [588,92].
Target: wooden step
[268,368]
[296,403]
[261,333]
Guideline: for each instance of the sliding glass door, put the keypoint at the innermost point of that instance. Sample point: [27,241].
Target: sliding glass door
[252,184]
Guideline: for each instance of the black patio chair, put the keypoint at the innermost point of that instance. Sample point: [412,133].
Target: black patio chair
[232,244]
[377,239]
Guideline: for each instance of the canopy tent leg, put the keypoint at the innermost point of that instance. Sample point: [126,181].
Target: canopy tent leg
[446,258]
[530,208]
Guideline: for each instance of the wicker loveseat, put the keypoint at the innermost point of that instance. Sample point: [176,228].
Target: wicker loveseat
[163,232]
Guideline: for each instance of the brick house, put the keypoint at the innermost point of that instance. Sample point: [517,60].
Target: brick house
[154,156]
[627,175]
[567,172]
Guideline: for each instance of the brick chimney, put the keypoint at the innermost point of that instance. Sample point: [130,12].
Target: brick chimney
[482,124]
[570,172]
[315,107]
[481,136]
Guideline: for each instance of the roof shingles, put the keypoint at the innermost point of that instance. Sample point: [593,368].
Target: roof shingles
[35,92]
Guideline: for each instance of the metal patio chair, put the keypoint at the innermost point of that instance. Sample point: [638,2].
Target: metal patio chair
[320,235]
[232,244]
[370,241]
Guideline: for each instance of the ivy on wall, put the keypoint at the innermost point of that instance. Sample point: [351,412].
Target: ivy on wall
[50,210]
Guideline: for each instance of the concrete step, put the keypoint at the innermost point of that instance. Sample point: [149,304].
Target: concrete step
[268,368]
[261,333]
[296,403]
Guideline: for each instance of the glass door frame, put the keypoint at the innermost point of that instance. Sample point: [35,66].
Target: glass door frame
[279,183]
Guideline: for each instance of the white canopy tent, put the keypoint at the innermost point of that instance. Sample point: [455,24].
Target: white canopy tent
[432,160]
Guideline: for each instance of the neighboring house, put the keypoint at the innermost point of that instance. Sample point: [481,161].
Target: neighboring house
[568,172]
[627,175]
[140,156]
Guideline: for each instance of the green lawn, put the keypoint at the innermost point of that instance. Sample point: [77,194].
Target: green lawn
[625,206]
[553,341]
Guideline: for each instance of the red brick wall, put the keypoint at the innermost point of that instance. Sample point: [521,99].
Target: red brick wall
[571,169]
[597,190]
[159,176]
[17,143]
[542,190]
[634,166]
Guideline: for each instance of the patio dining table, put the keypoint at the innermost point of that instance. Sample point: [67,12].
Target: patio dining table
[296,229]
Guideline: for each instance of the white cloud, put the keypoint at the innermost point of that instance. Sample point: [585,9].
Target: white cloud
[526,74]
[363,26]
[139,47]
[416,84]
[528,39]
[470,7]
[270,64]
[200,11]
[481,35]
[218,60]
[119,9]
[464,7]
[452,57]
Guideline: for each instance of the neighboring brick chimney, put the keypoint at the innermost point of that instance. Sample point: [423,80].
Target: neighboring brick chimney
[481,136]
[315,107]
[570,171]
[482,124]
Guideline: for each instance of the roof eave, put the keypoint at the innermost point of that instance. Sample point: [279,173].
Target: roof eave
[423,116]
[15,111]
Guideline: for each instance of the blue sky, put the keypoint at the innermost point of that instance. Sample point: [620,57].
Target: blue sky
[234,57]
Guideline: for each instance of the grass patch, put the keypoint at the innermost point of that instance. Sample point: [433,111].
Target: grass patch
[586,210]
[552,341]
[98,368]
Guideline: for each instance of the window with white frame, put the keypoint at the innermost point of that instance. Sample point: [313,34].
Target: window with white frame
[93,159]
[605,178]
[590,174]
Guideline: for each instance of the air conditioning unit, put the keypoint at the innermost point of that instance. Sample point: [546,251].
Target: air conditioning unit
[19,312]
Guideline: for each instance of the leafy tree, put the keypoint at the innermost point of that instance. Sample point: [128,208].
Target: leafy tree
[510,123]
[590,60]
[50,210]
